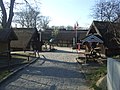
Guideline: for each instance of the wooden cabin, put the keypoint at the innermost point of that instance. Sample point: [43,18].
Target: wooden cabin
[109,32]
[6,36]
[28,39]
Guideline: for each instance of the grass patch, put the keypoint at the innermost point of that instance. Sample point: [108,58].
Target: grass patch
[95,74]
[17,58]
[116,57]
[4,74]
[31,54]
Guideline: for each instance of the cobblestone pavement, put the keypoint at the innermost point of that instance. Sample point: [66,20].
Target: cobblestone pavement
[53,71]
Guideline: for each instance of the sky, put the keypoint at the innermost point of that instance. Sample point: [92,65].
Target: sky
[68,12]
[65,12]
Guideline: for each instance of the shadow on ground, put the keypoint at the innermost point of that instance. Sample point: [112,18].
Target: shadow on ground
[53,69]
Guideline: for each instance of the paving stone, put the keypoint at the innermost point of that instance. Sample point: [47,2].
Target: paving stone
[52,71]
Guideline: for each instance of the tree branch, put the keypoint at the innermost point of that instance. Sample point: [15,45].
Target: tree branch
[11,14]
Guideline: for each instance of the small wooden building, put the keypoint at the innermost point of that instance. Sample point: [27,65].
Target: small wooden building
[28,39]
[109,32]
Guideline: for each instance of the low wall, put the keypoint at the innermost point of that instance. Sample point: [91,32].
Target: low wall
[113,74]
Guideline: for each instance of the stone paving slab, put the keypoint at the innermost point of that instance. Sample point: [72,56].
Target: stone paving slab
[52,71]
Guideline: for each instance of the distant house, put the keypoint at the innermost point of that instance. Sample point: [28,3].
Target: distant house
[109,32]
[28,39]
[63,37]
[6,36]
[46,35]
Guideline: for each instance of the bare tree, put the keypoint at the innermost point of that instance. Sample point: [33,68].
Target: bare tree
[27,18]
[106,10]
[55,32]
[31,18]
[69,27]
[6,20]
[43,22]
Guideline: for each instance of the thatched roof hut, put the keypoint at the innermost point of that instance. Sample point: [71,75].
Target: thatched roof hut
[110,33]
[7,35]
[25,37]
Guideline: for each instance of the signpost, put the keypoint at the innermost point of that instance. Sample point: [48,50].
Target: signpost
[76,28]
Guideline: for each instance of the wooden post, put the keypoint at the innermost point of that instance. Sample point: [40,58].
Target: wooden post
[28,59]
[9,56]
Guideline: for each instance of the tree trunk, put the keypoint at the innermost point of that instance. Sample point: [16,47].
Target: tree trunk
[4,14]
[10,14]
[6,23]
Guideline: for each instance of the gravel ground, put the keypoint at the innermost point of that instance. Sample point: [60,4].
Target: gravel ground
[52,71]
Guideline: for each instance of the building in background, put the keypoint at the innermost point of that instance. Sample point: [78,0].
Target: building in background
[63,37]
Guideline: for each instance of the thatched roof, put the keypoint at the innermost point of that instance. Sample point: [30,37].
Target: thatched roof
[82,34]
[46,35]
[7,35]
[109,31]
[64,35]
[68,35]
[24,36]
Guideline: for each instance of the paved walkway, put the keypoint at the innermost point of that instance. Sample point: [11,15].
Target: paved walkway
[53,71]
